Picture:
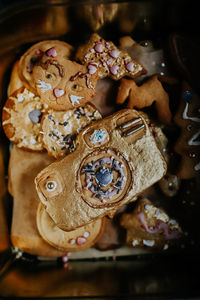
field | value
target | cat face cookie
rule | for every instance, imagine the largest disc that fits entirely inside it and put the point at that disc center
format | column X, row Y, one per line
column 61, row 83
column 21, row 117
column 60, row 128
column 106, row 170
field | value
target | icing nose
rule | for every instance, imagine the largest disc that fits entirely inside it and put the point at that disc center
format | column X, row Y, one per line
column 58, row 92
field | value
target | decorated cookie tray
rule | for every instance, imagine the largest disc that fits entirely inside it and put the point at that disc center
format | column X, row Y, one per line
column 99, row 149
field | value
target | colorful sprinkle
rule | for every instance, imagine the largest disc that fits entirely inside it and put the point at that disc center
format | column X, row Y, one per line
column 81, row 240
column 99, row 47
column 51, row 52
column 92, row 69
column 114, row 53
column 130, row 66
column 114, row 69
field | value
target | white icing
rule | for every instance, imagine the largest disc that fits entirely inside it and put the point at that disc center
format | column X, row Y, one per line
column 197, row 167
column 148, row 243
column 75, row 99
column 33, row 141
column 20, row 98
column 86, row 234
column 98, row 136
column 185, row 114
column 135, row 243
column 44, row 86
column 192, row 141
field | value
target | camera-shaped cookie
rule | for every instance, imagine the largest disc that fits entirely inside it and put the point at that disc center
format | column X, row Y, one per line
column 116, row 158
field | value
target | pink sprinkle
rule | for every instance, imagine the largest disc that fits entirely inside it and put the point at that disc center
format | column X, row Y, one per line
column 39, row 52
column 80, row 240
column 99, row 47
column 113, row 69
column 130, row 66
column 114, row 53
column 92, row 69
column 109, row 61
column 58, row 93
column 51, row 52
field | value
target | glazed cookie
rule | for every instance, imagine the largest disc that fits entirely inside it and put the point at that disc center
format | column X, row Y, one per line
column 144, row 95
column 21, row 119
column 188, row 144
column 59, row 128
column 116, row 158
column 75, row 240
column 149, row 226
column 61, row 83
column 105, row 57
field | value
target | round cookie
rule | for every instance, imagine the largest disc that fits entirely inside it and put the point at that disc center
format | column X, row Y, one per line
column 21, row 119
column 33, row 55
column 76, row 240
column 61, row 83
column 59, row 128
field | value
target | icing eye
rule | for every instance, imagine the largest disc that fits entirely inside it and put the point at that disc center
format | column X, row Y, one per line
column 75, row 86
column 48, row 76
column 51, row 186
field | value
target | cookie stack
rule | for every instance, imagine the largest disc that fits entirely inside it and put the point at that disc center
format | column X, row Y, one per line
column 69, row 166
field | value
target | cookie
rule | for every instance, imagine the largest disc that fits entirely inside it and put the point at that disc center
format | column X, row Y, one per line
column 115, row 159
column 71, row 241
column 187, row 146
column 149, row 226
column 24, row 166
column 15, row 82
column 105, row 57
column 144, row 96
column 62, row 84
column 170, row 184
column 21, row 119
column 34, row 54
column 59, row 128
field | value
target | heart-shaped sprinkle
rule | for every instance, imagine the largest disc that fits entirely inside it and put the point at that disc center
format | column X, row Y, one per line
column 35, row 115
column 114, row 53
column 92, row 69
column 58, row 93
column 51, row 52
column 39, row 52
column 113, row 69
column 99, row 47
column 80, row 240
column 130, row 66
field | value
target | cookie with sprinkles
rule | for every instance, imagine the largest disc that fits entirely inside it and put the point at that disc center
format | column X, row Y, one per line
column 59, row 128
column 76, row 240
column 98, row 54
column 150, row 226
column 116, row 158
column 21, row 118
column 187, row 145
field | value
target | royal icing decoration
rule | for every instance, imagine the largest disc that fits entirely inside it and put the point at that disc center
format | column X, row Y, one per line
column 44, row 86
column 98, row 136
column 75, row 99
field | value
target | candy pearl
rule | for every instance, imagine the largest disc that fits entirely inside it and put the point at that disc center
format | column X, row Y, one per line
column 113, row 53
column 114, row 69
column 188, row 96
column 92, row 69
column 80, row 240
column 51, row 52
column 58, row 93
column 99, row 47
column 130, row 66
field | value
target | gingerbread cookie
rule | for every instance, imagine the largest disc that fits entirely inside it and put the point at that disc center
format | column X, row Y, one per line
column 23, row 167
column 188, row 144
column 61, row 83
column 21, row 119
column 105, row 57
column 149, row 226
column 116, row 158
column 144, row 95
column 59, row 128
column 76, row 240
